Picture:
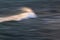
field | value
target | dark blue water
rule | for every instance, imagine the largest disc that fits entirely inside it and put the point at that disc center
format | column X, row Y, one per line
column 45, row 27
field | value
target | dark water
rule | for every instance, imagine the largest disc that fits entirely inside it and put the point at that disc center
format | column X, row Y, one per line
column 45, row 27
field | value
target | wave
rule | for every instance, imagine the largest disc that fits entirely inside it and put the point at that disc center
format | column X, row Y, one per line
column 26, row 13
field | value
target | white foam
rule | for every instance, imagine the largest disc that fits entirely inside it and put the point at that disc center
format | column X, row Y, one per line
column 26, row 14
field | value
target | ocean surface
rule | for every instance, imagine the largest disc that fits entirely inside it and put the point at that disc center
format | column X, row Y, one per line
column 45, row 27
